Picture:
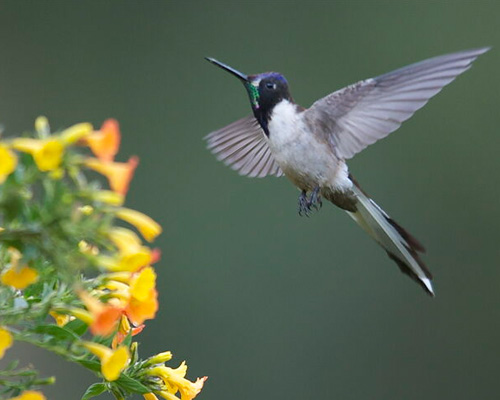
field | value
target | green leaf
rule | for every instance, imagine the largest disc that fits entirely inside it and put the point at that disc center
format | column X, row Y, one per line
column 94, row 390
column 131, row 384
column 90, row 364
column 57, row 332
column 77, row 326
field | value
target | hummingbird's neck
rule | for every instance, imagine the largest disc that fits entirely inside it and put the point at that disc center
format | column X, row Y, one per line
column 284, row 110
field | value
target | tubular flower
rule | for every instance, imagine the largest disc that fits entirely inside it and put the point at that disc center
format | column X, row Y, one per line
column 133, row 255
column 118, row 174
column 105, row 142
column 18, row 276
column 113, row 362
column 61, row 319
column 142, row 284
column 139, row 311
column 148, row 227
column 104, row 316
column 143, row 302
column 175, row 381
column 124, row 329
column 47, row 153
column 76, row 132
column 159, row 358
column 5, row 341
column 8, row 162
column 149, row 396
column 30, row 395
column 108, row 197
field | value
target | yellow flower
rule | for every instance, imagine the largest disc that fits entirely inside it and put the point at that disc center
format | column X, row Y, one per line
column 61, row 319
column 143, row 283
column 108, row 197
column 119, row 174
column 5, row 341
column 148, row 227
column 19, row 277
column 132, row 254
column 30, row 395
column 105, row 142
column 76, row 132
column 8, row 162
column 113, row 362
column 150, row 396
column 175, row 381
column 159, row 358
column 47, row 153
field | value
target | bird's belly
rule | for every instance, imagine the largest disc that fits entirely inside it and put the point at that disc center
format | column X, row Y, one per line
column 305, row 161
column 304, row 158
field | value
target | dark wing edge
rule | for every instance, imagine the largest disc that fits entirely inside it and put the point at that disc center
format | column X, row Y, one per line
column 360, row 114
column 243, row 147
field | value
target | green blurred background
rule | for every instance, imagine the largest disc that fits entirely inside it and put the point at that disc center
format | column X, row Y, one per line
column 267, row 304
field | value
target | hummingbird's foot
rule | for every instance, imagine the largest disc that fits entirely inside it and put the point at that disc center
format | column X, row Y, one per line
column 303, row 204
column 315, row 199
column 306, row 204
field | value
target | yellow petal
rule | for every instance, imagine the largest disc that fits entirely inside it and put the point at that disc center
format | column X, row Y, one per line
column 142, row 284
column 30, row 395
column 159, row 358
column 98, row 350
column 49, row 156
column 6, row 341
column 20, row 277
column 76, row 132
column 148, row 227
column 112, row 366
column 108, row 197
column 149, row 396
column 8, row 162
column 124, row 239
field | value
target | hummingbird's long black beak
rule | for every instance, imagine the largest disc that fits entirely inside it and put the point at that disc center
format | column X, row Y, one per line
column 232, row 71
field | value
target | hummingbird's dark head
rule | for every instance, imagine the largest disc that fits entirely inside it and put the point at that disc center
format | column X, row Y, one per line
column 264, row 90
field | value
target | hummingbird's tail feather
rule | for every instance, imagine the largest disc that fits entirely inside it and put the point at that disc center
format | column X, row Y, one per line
column 401, row 247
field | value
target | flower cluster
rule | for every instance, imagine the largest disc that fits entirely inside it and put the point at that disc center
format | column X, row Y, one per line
column 75, row 276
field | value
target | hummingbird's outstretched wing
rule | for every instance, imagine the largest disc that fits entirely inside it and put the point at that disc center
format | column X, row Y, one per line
column 360, row 114
column 243, row 146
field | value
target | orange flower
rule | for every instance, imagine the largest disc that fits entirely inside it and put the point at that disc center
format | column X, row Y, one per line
column 119, row 174
column 104, row 316
column 105, row 143
column 138, row 311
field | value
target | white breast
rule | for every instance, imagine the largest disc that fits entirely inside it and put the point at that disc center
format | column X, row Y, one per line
column 307, row 161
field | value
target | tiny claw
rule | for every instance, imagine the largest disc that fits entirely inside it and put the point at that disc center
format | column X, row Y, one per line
column 306, row 204
column 303, row 208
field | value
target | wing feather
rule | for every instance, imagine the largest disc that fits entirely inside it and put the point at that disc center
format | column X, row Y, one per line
column 360, row 114
column 243, row 146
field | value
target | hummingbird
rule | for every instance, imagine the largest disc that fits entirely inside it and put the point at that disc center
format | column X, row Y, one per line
column 310, row 146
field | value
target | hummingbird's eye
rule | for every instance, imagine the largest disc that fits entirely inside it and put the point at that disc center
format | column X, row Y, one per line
column 271, row 85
